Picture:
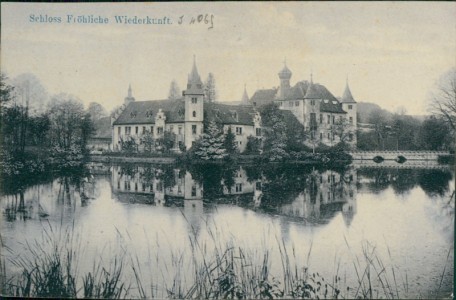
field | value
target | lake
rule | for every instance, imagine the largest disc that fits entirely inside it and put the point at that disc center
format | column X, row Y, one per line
column 394, row 226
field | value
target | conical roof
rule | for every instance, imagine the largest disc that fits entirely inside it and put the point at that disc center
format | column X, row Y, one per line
column 245, row 97
column 347, row 96
column 194, row 83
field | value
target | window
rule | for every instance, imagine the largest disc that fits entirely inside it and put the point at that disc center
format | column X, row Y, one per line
column 258, row 132
column 297, row 103
column 127, row 130
column 136, row 130
column 171, row 128
column 194, row 100
column 280, row 104
column 118, row 184
column 312, row 102
column 329, row 136
column 321, row 136
column 152, row 130
column 334, row 119
column 258, row 186
column 291, row 103
column 351, row 120
column 144, row 130
column 180, row 129
column 193, row 129
column 238, row 130
column 194, row 114
column 235, row 115
column 238, row 187
column 329, row 119
column 350, row 107
column 159, row 130
column 136, row 186
column 179, row 189
column 321, row 118
column 194, row 191
column 119, row 130
column 143, row 187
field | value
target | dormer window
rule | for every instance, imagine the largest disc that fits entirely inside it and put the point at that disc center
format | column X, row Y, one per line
column 149, row 113
column 133, row 114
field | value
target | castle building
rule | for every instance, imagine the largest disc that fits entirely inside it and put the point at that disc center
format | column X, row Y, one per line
column 185, row 117
column 326, row 118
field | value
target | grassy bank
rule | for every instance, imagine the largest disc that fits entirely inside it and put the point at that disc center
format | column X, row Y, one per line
column 51, row 268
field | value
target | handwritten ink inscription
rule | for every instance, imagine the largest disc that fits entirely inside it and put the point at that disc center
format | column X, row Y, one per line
column 206, row 19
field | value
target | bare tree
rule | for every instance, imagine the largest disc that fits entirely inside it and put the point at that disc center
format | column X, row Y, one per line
column 443, row 98
column 30, row 92
column 174, row 91
column 210, row 92
column 96, row 111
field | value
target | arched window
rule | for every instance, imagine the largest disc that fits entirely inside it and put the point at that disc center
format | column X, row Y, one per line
column 194, row 114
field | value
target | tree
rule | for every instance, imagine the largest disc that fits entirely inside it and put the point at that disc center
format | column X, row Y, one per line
column 341, row 129
column 168, row 140
column 210, row 145
column 434, row 134
column 30, row 92
column 96, row 111
column 275, row 141
column 147, row 140
column 443, row 98
column 174, row 91
column 230, row 142
column 6, row 91
column 253, row 145
column 210, row 91
column 70, row 126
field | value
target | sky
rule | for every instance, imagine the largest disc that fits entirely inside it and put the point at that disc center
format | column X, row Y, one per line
column 391, row 52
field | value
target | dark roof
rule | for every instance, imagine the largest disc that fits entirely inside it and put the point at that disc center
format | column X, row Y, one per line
column 331, row 107
column 102, row 128
column 348, row 97
column 140, row 112
column 229, row 114
column 137, row 112
column 294, row 93
column 263, row 97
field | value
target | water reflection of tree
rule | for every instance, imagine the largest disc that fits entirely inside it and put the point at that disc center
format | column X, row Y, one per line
column 283, row 183
column 435, row 182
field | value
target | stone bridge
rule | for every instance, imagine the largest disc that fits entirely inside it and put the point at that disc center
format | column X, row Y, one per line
column 397, row 155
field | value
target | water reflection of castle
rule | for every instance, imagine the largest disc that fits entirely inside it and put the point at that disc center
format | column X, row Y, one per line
column 326, row 194
column 320, row 199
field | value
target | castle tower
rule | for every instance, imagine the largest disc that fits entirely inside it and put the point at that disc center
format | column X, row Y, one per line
column 194, row 106
column 349, row 105
column 284, row 75
column 130, row 97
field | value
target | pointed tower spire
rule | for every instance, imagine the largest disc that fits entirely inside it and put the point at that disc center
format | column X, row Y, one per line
column 245, row 96
column 311, row 76
column 347, row 96
column 194, row 83
column 129, row 97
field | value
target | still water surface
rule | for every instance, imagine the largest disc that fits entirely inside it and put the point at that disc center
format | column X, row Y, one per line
column 404, row 216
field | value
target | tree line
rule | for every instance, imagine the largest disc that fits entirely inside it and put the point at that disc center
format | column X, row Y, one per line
column 35, row 126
